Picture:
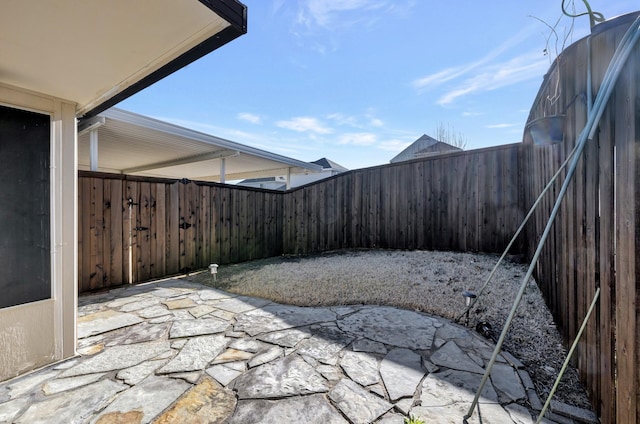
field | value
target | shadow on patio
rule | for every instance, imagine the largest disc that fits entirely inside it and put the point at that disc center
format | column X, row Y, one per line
column 175, row 351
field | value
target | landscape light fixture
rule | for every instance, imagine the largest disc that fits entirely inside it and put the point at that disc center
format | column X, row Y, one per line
column 213, row 268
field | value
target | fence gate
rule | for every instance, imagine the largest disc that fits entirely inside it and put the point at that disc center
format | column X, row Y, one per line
column 156, row 230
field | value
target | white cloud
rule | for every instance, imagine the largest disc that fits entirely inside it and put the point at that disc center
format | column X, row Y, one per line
column 356, row 121
column 491, row 77
column 487, row 73
column 325, row 13
column 438, row 78
column 358, row 139
column 393, row 145
column 249, row 117
column 304, row 124
column 342, row 119
column 451, row 73
column 318, row 25
column 493, row 126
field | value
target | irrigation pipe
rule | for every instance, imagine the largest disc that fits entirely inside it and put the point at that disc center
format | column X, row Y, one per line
column 566, row 361
column 517, row 233
column 531, row 210
column 618, row 60
column 540, row 196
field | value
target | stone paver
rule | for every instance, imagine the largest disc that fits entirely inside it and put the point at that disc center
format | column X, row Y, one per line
column 288, row 376
column 197, row 327
column 502, row 377
column 206, row 402
column 308, row 409
column 153, row 395
column 285, row 338
column 401, row 372
column 175, row 351
column 137, row 373
column 143, row 332
column 360, row 367
column 118, row 357
column 179, row 304
column 365, row 345
column 451, row 356
column 279, row 317
column 392, row 326
column 223, row 373
column 325, row 344
column 104, row 321
column 196, row 354
column 269, row 355
column 241, row 304
column 10, row 409
column 69, row 383
column 75, row 406
column 357, row 404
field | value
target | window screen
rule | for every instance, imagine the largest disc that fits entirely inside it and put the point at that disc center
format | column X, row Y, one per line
column 25, row 271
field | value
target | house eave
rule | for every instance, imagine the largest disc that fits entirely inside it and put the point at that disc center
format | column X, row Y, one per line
column 233, row 12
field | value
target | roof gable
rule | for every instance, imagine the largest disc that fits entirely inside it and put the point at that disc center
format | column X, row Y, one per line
column 423, row 146
column 329, row 164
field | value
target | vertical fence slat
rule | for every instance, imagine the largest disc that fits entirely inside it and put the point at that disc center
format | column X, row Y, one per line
column 627, row 198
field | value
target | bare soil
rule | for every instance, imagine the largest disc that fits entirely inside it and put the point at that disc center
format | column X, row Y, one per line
column 430, row 282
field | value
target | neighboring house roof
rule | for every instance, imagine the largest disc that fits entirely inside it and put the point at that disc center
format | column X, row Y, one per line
column 329, row 164
column 96, row 54
column 422, row 147
column 130, row 143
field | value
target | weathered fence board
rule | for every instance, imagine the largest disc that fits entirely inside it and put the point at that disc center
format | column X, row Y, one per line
column 593, row 243
column 165, row 227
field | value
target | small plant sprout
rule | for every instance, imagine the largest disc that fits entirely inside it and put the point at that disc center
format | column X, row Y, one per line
column 413, row 420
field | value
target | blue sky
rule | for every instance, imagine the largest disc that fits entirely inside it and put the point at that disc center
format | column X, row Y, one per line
column 356, row 81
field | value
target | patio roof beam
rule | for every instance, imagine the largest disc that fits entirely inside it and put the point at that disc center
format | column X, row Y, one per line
column 219, row 154
column 242, row 175
column 91, row 124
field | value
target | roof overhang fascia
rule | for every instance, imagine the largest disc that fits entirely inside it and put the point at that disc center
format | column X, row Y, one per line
column 234, row 12
column 233, row 176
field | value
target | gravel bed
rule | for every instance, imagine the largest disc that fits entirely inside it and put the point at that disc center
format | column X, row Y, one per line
column 430, row 282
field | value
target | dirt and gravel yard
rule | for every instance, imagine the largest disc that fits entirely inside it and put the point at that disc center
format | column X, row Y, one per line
column 430, row 282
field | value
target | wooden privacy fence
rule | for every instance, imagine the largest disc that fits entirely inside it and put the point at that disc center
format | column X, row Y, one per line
column 467, row 201
column 134, row 229
column 593, row 241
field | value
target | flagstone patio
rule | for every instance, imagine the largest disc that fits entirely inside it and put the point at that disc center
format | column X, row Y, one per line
column 177, row 352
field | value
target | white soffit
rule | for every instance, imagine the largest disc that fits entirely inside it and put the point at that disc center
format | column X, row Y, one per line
column 134, row 144
column 90, row 51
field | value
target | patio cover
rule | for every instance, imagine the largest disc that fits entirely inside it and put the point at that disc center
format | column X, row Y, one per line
column 123, row 142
